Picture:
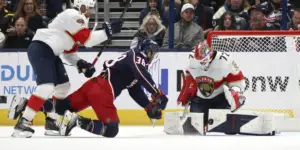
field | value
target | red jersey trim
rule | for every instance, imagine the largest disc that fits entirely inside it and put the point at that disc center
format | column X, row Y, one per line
column 234, row 77
column 73, row 50
column 80, row 36
column 217, row 84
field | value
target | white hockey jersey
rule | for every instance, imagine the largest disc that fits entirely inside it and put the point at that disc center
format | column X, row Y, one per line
column 222, row 70
column 67, row 31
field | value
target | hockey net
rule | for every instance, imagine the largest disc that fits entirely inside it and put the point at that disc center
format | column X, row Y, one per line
column 270, row 63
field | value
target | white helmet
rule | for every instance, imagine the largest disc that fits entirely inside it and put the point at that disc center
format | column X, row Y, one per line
column 87, row 3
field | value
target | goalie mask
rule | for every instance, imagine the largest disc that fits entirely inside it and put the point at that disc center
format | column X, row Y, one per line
column 204, row 54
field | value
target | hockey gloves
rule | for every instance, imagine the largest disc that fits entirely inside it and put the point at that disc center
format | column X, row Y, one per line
column 153, row 110
column 160, row 98
column 112, row 27
column 235, row 97
column 189, row 89
column 158, row 103
column 87, row 68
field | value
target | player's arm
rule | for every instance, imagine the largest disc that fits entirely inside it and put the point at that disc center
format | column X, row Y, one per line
column 236, row 84
column 235, row 77
column 83, row 66
column 188, row 90
column 78, row 29
column 138, row 95
column 189, row 87
column 138, row 67
column 151, row 107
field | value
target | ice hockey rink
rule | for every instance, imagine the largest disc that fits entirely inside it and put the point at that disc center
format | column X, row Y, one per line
column 147, row 138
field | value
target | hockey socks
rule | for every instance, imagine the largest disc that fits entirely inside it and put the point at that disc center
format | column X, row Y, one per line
column 33, row 106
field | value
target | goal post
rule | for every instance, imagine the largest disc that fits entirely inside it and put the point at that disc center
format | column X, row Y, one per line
column 271, row 64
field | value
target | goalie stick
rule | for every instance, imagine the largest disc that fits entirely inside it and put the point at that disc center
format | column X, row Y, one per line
column 106, row 42
column 185, row 112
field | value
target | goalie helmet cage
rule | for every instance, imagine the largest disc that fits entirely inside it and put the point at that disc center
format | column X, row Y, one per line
column 261, row 55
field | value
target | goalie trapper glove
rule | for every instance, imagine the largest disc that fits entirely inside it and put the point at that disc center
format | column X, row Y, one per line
column 112, row 27
column 87, row 68
column 235, row 97
column 153, row 110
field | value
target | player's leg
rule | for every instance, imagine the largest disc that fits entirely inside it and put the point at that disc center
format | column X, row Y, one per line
column 101, row 101
column 220, row 102
column 105, row 111
column 60, row 93
column 42, row 60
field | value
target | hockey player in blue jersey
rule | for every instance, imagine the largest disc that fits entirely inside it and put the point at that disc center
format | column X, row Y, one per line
column 129, row 72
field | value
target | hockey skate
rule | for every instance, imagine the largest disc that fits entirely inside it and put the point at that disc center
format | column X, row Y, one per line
column 17, row 106
column 69, row 121
column 51, row 127
column 22, row 129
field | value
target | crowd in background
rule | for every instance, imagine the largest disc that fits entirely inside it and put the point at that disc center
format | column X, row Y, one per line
column 19, row 19
column 195, row 18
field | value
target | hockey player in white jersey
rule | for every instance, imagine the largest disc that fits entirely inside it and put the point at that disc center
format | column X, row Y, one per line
column 212, row 80
column 62, row 37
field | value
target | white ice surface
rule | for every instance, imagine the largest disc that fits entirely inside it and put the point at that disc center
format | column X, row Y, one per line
column 146, row 138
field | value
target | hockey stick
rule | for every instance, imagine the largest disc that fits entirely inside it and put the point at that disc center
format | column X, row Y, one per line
column 96, row 16
column 106, row 42
column 185, row 110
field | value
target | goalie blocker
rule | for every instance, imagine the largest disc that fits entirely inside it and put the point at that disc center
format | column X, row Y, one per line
column 221, row 120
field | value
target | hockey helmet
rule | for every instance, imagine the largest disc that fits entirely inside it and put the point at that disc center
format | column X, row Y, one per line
column 204, row 54
column 86, row 3
column 149, row 48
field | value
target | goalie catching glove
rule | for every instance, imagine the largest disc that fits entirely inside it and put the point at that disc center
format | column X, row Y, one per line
column 234, row 97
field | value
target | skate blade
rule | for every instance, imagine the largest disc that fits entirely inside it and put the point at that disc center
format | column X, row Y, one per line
column 51, row 133
column 21, row 134
column 13, row 107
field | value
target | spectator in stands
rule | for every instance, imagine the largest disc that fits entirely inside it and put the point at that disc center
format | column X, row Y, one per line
column 11, row 5
column 5, row 17
column 256, row 2
column 295, row 25
column 153, row 7
column 3, row 10
column 258, row 20
column 227, row 22
column 295, row 3
column 51, row 8
column 22, row 36
column 273, row 12
column 28, row 9
column 203, row 16
column 151, row 28
column 177, row 8
column 187, row 33
column 239, row 8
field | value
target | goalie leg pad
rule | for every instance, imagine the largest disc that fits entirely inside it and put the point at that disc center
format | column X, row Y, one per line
column 243, row 122
column 174, row 124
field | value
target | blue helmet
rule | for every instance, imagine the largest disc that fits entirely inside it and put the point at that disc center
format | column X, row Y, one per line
column 149, row 45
